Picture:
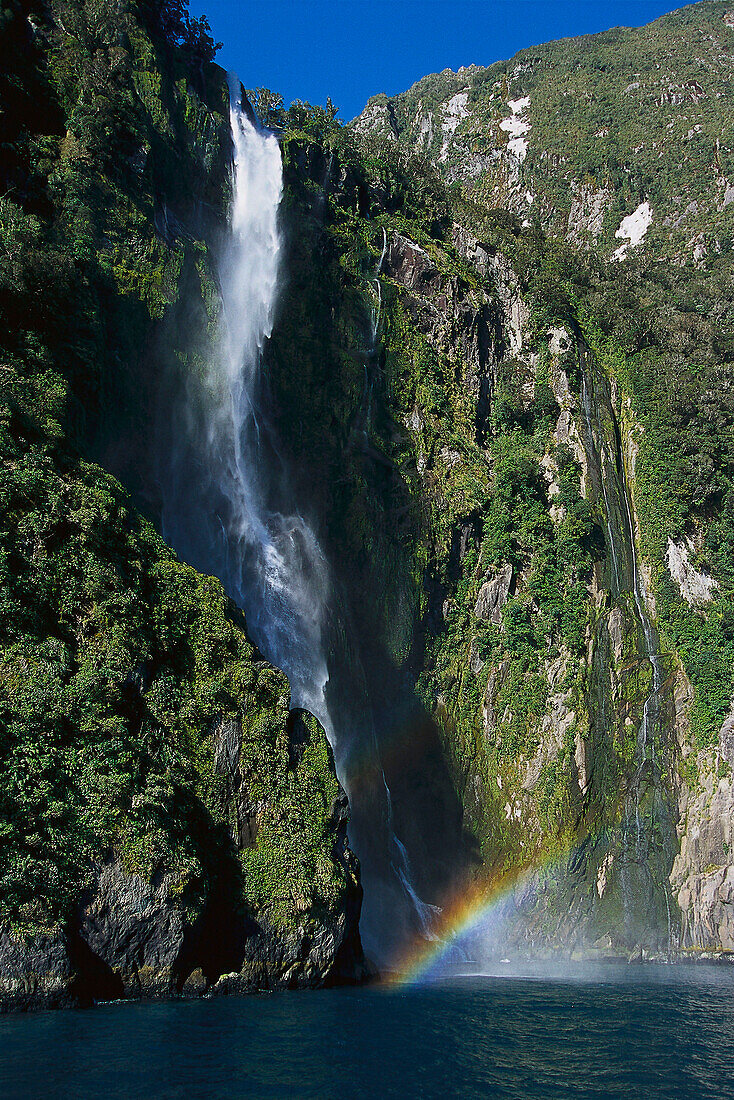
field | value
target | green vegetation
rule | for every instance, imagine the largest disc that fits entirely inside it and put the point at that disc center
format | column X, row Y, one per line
column 442, row 454
column 684, row 475
column 118, row 662
column 119, row 665
column 639, row 114
column 478, row 489
column 417, row 493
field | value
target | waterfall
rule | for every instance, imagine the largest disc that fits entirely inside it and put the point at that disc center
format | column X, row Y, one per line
column 612, row 473
column 269, row 561
column 650, row 712
column 587, row 406
column 320, row 204
column 228, row 508
column 606, row 457
column 376, row 311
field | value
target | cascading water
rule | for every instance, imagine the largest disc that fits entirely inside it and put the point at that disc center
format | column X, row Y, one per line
column 270, row 563
column 320, row 206
column 223, row 515
column 589, row 416
column 371, row 354
column 605, row 452
column 377, row 307
column 623, row 551
column 651, row 707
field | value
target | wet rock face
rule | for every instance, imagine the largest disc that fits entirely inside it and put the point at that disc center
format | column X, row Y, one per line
column 580, row 733
column 35, row 973
column 135, row 929
column 134, row 937
column 702, row 875
column 702, row 878
column 126, row 943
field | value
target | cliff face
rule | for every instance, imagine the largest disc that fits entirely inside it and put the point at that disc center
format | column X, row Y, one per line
column 167, row 824
column 517, row 451
column 532, row 443
column 617, row 141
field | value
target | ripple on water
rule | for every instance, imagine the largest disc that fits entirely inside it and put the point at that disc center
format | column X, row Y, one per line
column 653, row 1032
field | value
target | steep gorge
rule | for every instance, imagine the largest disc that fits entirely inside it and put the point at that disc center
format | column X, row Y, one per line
column 437, row 456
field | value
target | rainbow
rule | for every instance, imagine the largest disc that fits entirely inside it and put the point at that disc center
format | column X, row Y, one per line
column 469, row 914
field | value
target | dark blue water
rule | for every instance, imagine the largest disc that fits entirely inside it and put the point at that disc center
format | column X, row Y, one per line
column 627, row 1032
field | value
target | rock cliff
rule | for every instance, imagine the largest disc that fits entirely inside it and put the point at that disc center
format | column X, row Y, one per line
column 501, row 371
column 167, row 824
column 512, row 457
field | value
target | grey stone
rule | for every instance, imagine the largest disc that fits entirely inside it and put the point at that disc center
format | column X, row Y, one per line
column 493, row 596
column 35, row 972
column 135, row 929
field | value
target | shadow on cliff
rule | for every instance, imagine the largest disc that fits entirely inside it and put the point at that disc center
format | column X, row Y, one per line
column 324, row 392
column 406, row 821
column 321, row 373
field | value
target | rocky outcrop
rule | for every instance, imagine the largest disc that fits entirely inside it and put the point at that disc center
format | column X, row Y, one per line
column 136, row 929
column 590, row 726
column 586, row 217
column 482, row 131
column 410, row 265
column 493, row 596
column 696, row 587
column 462, row 324
column 138, row 937
column 314, row 937
column 513, row 313
column 702, row 877
column 36, row 972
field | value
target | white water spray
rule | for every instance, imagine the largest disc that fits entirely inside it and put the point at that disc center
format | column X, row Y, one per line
column 270, row 563
column 218, row 509
column 280, row 575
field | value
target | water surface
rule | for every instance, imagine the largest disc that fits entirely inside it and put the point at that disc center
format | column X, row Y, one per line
column 610, row 1032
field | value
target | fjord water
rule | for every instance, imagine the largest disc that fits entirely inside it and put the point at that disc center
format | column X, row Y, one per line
column 618, row 1031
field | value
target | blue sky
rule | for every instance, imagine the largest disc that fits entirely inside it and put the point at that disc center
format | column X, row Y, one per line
column 352, row 49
